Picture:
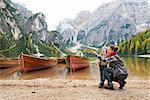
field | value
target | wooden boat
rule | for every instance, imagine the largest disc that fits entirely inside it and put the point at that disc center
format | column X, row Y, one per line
column 31, row 63
column 61, row 60
column 8, row 63
column 77, row 62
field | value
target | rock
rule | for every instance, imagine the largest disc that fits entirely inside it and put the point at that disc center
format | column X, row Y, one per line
column 74, row 86
column 37, row 26
column 2, row 4
column 9, row 19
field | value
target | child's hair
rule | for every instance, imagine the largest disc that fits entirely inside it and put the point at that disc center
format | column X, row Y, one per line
column 114, row 48
column 104, row 48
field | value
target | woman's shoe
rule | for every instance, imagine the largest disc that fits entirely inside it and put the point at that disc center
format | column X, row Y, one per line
column 122, row 83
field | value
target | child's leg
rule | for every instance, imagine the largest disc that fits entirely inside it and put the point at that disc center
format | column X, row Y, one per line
column 102, row 73
column 108, row 74
column 102, row 78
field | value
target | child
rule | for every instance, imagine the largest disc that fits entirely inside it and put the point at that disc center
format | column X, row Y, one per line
column 103, row 64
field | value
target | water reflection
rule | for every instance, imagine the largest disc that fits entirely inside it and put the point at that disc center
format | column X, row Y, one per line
column 136, row 67
column 60, row 71
column 8, row 71
column 87, row 73
column 49, row 72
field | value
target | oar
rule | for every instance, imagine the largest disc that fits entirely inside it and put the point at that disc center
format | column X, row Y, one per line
column 9, row 71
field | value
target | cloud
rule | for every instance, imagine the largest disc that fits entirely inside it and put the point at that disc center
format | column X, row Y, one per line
column 57, row 10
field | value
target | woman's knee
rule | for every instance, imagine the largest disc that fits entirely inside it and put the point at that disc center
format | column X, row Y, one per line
column 123, row 77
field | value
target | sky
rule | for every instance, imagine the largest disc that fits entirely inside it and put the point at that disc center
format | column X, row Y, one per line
column 57, row 10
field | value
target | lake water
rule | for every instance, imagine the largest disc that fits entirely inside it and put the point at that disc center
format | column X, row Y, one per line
column 139, row 67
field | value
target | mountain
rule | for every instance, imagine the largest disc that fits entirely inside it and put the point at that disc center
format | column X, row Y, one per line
column 23, row 31
column 115, row 21
column 25, row 14
column 10, row 19
column 37, row 26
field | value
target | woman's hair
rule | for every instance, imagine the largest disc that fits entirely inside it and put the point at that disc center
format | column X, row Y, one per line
column 114, row 48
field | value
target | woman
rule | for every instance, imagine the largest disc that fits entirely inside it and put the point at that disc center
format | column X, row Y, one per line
column 116, row 70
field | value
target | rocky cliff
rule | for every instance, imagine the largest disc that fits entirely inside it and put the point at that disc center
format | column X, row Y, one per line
column 9, row 19
column 115, row 21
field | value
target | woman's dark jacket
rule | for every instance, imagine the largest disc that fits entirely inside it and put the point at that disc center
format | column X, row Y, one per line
column 116, row 63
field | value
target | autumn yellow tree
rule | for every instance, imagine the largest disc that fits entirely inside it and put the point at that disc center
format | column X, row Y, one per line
column 143, row 46
column 137, row 46
column 132, row 47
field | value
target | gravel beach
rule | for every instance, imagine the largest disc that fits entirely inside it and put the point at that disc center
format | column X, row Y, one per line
column 72, row 89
